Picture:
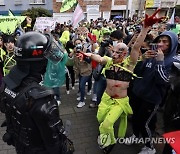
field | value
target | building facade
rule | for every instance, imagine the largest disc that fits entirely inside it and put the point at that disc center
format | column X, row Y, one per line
column 18, row 6
column 165, row 5
column 125, row 8
column 98, row 8
column 92, row 8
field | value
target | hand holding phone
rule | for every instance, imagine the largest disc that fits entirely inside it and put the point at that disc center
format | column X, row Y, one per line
column 149, row 54
column 160, row 55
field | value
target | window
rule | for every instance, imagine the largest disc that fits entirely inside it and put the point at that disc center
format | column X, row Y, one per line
column 37, row 1
column 1, row 2
column 18, row 2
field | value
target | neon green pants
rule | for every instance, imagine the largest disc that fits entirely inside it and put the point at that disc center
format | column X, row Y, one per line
column 109, row 111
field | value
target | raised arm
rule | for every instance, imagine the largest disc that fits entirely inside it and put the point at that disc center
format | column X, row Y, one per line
column 94, row 57
column 148, row 22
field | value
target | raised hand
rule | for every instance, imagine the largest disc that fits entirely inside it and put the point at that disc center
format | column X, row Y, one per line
column 82, row 55
column 150, row 20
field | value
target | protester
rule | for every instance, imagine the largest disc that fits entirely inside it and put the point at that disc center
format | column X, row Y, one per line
column 2, row 54
column 154, row 71
column 28, row 24
column 65, row 36
column 70, row 75
column 105, row 49
column 83, row 70
column 9, row 60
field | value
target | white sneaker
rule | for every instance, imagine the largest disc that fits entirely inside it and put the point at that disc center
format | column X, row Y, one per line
column 89, row 93
column 68, row 92
column 130, row 140
column 73, row 88
column 147, row 150
column 79, row 98
column 59, row 102
column 80, row 104
column 94, row 98
column 143, row 148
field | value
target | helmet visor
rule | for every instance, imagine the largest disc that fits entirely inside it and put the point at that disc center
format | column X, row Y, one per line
column 56, row 53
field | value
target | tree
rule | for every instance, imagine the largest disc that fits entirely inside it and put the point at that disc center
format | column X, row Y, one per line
column 36, row 12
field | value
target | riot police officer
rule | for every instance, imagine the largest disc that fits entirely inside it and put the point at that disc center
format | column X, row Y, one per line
column 33, row 123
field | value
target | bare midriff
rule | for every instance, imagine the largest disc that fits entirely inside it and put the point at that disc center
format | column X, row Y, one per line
column 116, row 89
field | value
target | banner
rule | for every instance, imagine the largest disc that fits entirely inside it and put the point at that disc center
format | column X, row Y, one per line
column 62, row 17
column 77, row 16
column 153, row 3
column 8, row 24
column 44, row 23
column 149, row 3
column 67, row 4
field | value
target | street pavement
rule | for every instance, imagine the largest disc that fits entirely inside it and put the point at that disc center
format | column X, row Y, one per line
column 84, row 128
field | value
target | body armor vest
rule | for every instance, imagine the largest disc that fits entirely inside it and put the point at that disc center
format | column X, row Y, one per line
column 21, row 129
column 33, row 123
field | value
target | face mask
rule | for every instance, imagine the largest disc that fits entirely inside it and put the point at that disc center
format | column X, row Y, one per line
column 79, row 47
column 131, row 33
column 115, row 43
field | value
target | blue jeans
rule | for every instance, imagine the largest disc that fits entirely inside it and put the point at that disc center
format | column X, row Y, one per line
column 89, row 83
column 82, row 85
column 101, row 86
column 95, row 87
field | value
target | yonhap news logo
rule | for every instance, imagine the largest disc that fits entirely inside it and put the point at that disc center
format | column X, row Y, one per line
column 158, row 140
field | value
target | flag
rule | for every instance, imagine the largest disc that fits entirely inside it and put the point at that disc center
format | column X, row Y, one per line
column 77, row 16
column 171, row 21
column 149, row 3
column 10, row 13
column 174, row 140
column 67, row 4
column 152, row 3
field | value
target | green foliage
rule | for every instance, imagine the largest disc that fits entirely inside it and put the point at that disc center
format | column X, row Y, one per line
column 177, row 10
column 36, row 12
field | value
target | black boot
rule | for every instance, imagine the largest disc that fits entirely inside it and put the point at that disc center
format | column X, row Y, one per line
column 108, row 149
column 4, row 123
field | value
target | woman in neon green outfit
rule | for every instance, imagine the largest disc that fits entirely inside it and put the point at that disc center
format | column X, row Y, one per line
column 118, row 71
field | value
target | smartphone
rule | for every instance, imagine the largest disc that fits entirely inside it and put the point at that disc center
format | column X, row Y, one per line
column 154, row 46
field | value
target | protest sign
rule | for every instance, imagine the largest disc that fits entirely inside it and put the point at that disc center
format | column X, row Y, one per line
column 43, row 23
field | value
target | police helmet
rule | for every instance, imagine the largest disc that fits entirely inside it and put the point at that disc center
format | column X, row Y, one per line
column 35, row 46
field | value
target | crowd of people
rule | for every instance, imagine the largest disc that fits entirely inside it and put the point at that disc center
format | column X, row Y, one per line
column 127, row 66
